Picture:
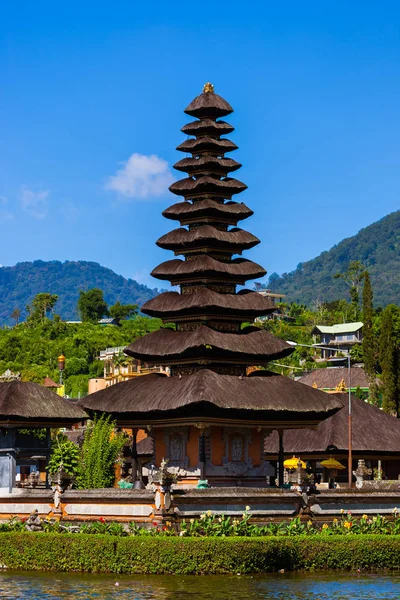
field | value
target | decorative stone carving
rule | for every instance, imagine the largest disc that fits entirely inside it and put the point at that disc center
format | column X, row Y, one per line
column 237, row 448
column 10, row 376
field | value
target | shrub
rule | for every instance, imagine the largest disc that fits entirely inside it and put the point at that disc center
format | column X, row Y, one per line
column 175, row 555
column 100, row 450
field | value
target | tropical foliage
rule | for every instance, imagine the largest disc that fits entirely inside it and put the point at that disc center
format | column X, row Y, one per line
column 100, row 449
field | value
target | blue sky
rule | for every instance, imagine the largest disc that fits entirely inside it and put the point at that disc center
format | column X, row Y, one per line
column 91, row 103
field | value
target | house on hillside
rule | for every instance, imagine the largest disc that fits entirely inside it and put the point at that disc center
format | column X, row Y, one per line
column 120, row 367
column 342, row 336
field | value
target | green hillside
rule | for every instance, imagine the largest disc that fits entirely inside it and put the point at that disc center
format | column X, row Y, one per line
column 19, row 285
column 376, row 246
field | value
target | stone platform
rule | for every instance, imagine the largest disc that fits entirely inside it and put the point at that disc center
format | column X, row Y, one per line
column 146, row 506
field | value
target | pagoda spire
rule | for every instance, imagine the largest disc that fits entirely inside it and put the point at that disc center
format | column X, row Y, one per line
column 207, row 312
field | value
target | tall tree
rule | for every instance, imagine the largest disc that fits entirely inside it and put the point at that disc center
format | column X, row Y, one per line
column 353, row 276
column 92, row 306
column 368, row 343
column 119, row 311
column 40, row 308
column 389, row 361
column 16, row 313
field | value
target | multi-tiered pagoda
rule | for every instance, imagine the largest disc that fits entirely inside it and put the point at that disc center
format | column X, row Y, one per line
column 210, row 417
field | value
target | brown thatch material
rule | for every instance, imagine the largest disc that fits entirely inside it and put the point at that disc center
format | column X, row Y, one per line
column 170, row 305
column 209, row 105
column 206, row 235
column 207, row 127
column 49, row 383
column 212, row 164
column 260, row 345
column 373, row 431
column 207, row 144
column 331, row 377
column 205, row 184
column 237, row 270
column 32, row 403
column 270, row 396
column 232, row 211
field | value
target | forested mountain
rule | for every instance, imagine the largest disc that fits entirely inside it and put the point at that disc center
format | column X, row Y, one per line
column 376, row 246
column 19, row 285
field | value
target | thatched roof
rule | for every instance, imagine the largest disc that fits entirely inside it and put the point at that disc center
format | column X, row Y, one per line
column 256, row 346
column 206, row 163
column 208, row 105
column 207, row 144
column 238, row 270
column 31, row 403
column 169, row 305
column 49, row 383
column 373, row 431
column 270, row 397
column 205, row 184
column 229, row 211
column 331, row 377
column 207, row 127
column 206, row 235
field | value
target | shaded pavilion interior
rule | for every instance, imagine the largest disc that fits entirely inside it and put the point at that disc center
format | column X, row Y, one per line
column 375, row 436
column 211, row 416
column 26, row 408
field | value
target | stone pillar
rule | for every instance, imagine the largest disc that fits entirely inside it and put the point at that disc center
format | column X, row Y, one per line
column 281, row 458
column 7, row 458
column 134, row 457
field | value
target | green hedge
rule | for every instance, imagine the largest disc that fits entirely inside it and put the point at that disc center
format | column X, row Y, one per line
column 108, row 554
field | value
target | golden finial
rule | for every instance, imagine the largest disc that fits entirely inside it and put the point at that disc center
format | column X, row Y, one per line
column 314, row 385
column 208, row 88
column 341, row 386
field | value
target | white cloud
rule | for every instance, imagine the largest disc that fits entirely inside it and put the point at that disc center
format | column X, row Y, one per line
column 34, row 201
column 141, row 177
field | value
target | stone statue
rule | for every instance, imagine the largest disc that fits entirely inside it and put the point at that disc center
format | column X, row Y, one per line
column 34, row 522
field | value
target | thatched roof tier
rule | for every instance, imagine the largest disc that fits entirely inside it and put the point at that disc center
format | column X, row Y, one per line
column 208, row 396
column 206, row 236
column 229, row 212
column 207, row 164
column 372, row 431
column 243, row 307
column 238, row 270
column 208, row 105
column 204, row 343
column 31, row 404
column 49, row 383
column 331, row 377
column 207, row 127
column 205, row 184
column 207, row 144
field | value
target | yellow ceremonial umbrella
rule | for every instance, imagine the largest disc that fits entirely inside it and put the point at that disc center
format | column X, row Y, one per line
column 332, row 464
column 293, row 463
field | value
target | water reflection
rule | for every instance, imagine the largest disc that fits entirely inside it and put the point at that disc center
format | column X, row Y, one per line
column 22, row 586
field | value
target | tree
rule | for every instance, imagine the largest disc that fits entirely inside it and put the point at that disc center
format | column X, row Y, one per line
column 100, row 450
column 119, row 311
column 389, row 361
column 92, row 306
column 64, row 455
column 368, row 343
column 41, row 306
column 16, row 313
column 353, row 276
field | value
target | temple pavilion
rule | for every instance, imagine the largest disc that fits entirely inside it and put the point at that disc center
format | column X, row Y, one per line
column 211, row 416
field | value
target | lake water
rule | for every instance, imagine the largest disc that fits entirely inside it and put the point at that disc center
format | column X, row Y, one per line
column 21, row 586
